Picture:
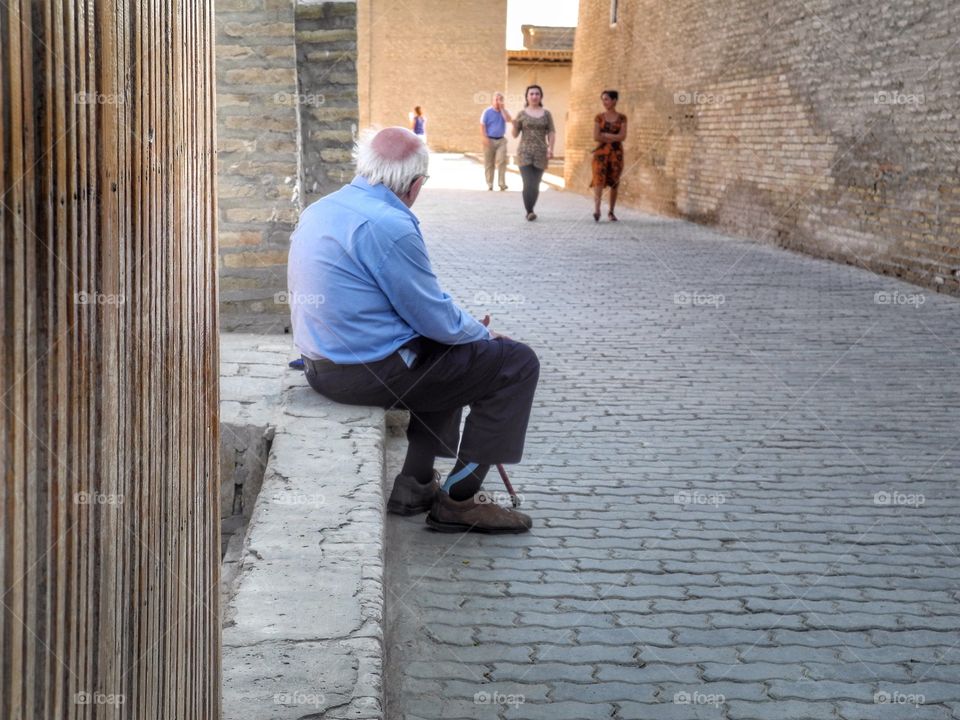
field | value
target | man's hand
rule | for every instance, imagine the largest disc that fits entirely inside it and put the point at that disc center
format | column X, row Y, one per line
column 493, row 333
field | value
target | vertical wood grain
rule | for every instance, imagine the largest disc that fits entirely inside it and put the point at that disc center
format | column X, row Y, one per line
column 109, row 510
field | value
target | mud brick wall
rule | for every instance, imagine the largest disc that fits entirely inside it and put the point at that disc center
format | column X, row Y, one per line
column 258, row 170
column 447, row 57
column 831, row 127
column 327, row 76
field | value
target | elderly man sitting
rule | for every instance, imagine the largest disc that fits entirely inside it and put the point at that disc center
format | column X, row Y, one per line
column 375, row 328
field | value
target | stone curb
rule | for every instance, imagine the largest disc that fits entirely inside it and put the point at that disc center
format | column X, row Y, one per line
column 303, row 633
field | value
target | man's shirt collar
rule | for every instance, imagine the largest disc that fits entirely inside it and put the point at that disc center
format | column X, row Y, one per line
column 383, row 193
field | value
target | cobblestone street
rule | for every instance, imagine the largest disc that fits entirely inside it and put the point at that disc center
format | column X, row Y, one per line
column 742, row 467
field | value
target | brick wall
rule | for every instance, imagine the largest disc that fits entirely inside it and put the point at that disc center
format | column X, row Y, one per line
column 826, row 127
column 447, row 57
column 327, row 72
column 258, row 159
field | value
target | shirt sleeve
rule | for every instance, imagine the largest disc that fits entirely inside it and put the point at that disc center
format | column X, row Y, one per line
column 550, row 128
column 407, row 279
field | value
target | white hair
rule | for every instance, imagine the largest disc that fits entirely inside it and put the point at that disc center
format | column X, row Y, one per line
column 397, row 175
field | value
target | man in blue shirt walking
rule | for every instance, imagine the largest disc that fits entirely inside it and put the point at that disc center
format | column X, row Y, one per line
column 374, row 327
column 493, row 127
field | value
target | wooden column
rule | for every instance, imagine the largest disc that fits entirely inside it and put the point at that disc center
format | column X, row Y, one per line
column 109, row 510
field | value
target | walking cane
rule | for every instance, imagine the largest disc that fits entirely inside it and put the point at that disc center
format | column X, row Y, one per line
column 514, row 500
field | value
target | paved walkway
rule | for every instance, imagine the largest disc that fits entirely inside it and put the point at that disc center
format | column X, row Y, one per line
column 743, row 470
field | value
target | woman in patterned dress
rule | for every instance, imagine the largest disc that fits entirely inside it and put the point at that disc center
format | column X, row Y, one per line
column 610, row 130
column 536, row 145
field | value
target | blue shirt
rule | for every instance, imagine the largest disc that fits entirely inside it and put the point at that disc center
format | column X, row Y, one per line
column 360, row 281
column 494, row 124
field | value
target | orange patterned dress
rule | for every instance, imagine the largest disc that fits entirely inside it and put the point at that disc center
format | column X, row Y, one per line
column 608, row 157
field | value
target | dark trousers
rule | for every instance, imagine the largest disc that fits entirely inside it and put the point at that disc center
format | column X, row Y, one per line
column 531, row 176
column 495, row 378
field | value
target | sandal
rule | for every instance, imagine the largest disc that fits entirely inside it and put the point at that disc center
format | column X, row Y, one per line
column 611, row 217
column 596, row 217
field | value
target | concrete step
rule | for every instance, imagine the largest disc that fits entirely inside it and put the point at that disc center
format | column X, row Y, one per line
column 303, row 632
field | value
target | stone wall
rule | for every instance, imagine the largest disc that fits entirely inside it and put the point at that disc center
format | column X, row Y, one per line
column 327, row 75
column 830, row 127
column 258, row 135
column 447, row 57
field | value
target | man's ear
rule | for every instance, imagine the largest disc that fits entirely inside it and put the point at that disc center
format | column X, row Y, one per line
column 411, row 195
column 416, row 185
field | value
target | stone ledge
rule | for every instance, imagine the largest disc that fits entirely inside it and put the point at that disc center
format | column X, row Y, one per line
column 303, row 633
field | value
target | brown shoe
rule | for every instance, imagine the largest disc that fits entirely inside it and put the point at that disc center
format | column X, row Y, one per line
column 478, row 514
column 409, row 496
